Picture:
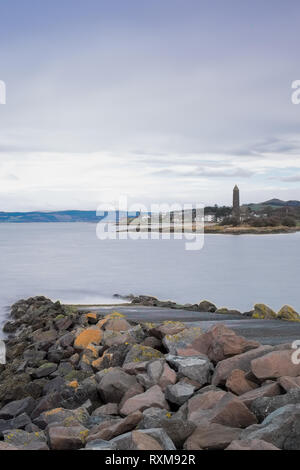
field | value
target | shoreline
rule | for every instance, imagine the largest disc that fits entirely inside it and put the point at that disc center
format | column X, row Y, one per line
column 96, row 381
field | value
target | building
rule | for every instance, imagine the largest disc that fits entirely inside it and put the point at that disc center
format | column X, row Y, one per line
column 236, row 211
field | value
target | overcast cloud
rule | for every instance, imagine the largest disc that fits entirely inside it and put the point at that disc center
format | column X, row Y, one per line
column 161, row 100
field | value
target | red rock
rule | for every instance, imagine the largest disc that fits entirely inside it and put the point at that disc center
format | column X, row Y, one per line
column 251, row 444
column 211, row 437
column 6, row 446
column 167, row 328
column 136, row 389
column 238, row 384
column 287, row 383
column 275, row 364
column 203, row 402
column 153, row 397
column 67, row 438
column 268, row 390
column 241, row 361
column 220, row 342
column 142, row 441
column 231, row 411
column 110, row 429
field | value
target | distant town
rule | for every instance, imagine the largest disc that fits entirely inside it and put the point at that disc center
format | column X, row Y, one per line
column 272, row 213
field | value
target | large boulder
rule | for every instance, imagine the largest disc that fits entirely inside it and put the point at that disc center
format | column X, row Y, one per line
column 268, row 390
column 179, row 393
column 148, row 439
column 241, row 361
column 88, row 336
column 167, row 328
column 25, row 440
column 67, row 438
column 199, row 406
column 288, row 313
column 110, row 429
column 174, row 424
column 139, row 353
column 288, row 383
column 238, row 383
column 275, row 364
column 251, row 444
column 220, row 342
column 114, row 384
column 160, row 373
column 198, row 368
column 264, row 406
column 212, row 437
column 281, row 428
column 154, row 397
column 15, row 408
column 181, row 341
column 262, row 311
column 206, row 306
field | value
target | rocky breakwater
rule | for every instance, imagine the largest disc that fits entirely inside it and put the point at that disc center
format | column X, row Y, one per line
column 76, row 380
column 259, row 311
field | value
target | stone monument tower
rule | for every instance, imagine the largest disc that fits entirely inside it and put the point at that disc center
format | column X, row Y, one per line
column 236, row 204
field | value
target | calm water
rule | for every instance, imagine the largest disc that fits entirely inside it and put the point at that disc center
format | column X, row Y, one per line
column 68, row 262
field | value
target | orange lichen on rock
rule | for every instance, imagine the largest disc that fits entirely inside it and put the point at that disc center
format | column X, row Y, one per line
column 73, row 384
column 88, row 336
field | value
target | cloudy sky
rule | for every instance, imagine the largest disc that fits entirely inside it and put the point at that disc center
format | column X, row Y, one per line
column 159, row 100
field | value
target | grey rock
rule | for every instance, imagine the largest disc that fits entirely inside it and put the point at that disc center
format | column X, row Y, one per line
column 198, row 368
column 99, row 444
column 15, row 408
column 179, row 393
column 264, row 406
column 281, row 428
column 124, row 441
column 176, row 427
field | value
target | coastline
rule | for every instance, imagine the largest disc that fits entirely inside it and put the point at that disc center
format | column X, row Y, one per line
column 96, row 381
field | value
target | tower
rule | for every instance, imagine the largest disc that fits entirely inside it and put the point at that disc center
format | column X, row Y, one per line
column 236, row 204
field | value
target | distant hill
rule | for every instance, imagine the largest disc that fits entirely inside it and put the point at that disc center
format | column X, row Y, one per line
column 274, row 203
column 56, row 216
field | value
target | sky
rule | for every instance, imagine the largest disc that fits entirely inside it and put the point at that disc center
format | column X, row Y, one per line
column 158, row 100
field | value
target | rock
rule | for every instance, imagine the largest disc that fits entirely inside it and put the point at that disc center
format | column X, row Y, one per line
column 14, row 387
column 26, row 441
column 281, row 428
column 117, row 324
column 89, row 336
column 167, row 328
column 44, row 370
column 134, row 368
column 114, row 384
column 108, row 409
column 221, row 408
column 197, row 368
column 176, row 427
column 63, row 417
column 262, row 311
column 227, row 311
column 161, row 374
column 109, row 430
column 179, row 393
column 153, row 397
column 139, row 353
column 67, row 438
column 136, row 389
column 230, row 411
column 287, row 383
column 152, row 342
column 275, row 364
column 248, row 444
column 212, row 437
column 6, row 446
column 99, row 444
column 16, row 408
column 263, row 406
column 288, row 313
column 138, row 440
column 92, row 317
column 220, row 342
column 175, row 343
column 238, row 384
column 198, row 405
column 49, row 402
column 241, row 361
column 206, row 306
column 268, row 390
